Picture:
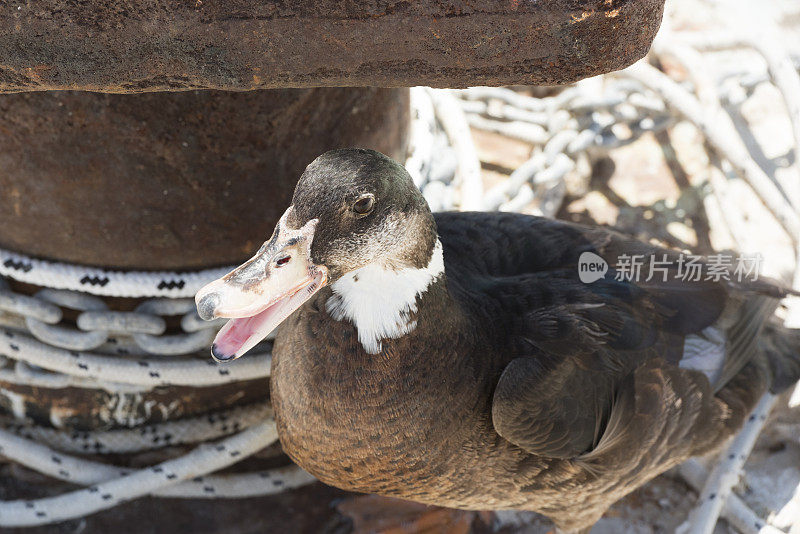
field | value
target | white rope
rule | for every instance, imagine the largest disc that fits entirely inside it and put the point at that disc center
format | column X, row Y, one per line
column 152, row 371
column 182, row 431
column 203, row 459
column 726, row 472
column 46, row 379
column 105, row 282
column 721, row 134
column 734, row 510
column 455, row 125
column 84, row 472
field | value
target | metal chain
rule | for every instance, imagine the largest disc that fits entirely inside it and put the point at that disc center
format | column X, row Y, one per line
column 141, row 331
column 583, row 119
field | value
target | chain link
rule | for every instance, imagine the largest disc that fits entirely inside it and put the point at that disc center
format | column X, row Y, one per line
column 562, row 129
column 141, row 331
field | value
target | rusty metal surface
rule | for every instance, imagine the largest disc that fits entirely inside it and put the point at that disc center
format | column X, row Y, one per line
column 95, row 409
column 151, row 45
column 171, row 180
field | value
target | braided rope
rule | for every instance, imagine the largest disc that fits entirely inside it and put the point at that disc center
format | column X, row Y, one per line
column 127, row 440
column 84, row 472
column 203, row 459
column 145, row 371
column 105, row 282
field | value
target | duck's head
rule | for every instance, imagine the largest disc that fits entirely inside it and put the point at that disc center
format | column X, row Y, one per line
column 351, row 208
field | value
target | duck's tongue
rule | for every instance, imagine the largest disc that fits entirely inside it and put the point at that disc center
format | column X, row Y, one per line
column 261, row 293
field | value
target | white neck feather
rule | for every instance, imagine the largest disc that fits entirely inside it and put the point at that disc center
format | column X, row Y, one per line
column 379, row 301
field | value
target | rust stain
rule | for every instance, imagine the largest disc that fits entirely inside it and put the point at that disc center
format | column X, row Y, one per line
column 15, row 199
column 583, row 16
column 35, row 72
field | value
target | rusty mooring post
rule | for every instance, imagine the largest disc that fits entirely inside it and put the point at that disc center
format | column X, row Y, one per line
column 180, row 180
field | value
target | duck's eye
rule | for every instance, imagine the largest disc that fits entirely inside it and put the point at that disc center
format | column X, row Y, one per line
column 364, row 205
column 280, row 262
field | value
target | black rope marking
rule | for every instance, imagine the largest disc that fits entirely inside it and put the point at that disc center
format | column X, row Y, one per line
column 18, row 265
column 95, row 280
column 171, row 284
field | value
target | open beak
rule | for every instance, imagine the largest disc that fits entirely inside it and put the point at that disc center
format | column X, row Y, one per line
column 261, row 293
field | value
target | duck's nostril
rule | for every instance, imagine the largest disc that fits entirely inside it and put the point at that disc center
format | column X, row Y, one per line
column 207, row 306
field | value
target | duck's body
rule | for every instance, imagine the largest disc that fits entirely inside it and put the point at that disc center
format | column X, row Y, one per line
column 505, row 381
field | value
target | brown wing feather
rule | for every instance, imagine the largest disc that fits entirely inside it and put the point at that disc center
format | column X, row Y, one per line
column 573, row 344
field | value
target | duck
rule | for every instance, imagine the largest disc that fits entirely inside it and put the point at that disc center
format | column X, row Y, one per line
column 461, row 359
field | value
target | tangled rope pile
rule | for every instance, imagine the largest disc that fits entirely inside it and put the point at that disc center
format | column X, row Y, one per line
column 133, row 352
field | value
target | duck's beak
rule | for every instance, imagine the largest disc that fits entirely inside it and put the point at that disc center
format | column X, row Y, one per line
column 261, row 293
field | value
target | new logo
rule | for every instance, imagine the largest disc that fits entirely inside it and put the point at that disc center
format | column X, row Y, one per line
column 591, row 267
